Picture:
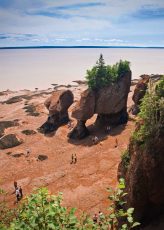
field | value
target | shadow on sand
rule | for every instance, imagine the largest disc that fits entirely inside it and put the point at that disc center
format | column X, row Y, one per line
column 99, row 132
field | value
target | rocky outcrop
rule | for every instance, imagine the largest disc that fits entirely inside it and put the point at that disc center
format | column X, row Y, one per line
column 140, row 90
column 9, row 141
column 144, row 179
column 110, row 103
column 142, row 164
column 139, row 93
column 57, row 106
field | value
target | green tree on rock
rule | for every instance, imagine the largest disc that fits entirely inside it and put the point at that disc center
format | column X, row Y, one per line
column 102, row 75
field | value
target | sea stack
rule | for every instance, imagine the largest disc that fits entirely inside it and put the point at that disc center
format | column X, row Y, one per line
column 109, row 103
column 57, row 105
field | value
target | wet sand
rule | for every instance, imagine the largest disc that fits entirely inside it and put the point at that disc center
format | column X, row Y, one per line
column 83, row 184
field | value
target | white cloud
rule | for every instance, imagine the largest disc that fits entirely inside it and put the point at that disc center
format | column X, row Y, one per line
column 110, row 23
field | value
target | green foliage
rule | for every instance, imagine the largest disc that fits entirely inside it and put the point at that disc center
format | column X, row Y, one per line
column 125, row 158
column 6, row 214
column 120, row 217
column 151, row 113
column 103, row 75
column 42, row 211
column 160, row 87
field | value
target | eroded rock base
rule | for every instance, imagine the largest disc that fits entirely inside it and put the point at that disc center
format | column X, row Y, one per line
column 112, row 119
column 79, row 132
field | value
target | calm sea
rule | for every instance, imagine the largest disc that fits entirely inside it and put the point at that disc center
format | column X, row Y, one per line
column 30, row 68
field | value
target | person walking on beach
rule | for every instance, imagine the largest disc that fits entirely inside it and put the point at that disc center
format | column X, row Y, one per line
column 17, row 193
column 27, row 153
column 15, row 185
column 95, row 140
column 101, row 217
column 116, row 143
column 95, row 218
column 75, row 159
column 108, row 128
column 21, row 192
column 72, row 159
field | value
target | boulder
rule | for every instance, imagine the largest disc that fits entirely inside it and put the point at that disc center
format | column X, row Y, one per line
column 42, row 157
column 85, row 108
column 9, row 141
column 57, row 106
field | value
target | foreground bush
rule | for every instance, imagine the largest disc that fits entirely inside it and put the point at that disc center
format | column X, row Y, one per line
column 103, row 75
column 42, row 211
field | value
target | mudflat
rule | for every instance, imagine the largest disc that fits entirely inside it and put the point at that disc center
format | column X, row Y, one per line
column 44, row 160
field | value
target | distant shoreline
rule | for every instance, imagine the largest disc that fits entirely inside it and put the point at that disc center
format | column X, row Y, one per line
column 81, row 47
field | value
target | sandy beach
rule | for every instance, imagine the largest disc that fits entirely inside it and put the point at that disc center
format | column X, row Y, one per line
column 83, row 184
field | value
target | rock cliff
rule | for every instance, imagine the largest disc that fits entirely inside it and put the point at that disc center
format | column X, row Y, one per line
column 142, row 166
column 140, row 91
column 110, row 103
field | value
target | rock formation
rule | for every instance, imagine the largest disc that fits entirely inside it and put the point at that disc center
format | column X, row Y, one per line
column 110, row 103
column 9, row 141
column 139, row 93
column 143, row 166
column 57, row 106
column 144, row 179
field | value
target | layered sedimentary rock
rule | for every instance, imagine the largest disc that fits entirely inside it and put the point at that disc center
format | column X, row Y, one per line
column 57, row 106
column 139, row 93
column 85, row 108
column 143, row 164
column 144, row 179
column 110, row 103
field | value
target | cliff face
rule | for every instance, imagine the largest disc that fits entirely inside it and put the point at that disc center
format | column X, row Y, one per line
column 140, row 91
column 144, row 178
column 143, row 170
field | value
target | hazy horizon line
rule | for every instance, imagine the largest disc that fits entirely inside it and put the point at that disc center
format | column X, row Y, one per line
column 44, row 47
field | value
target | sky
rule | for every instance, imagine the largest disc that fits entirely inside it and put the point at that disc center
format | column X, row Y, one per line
column 81, row 23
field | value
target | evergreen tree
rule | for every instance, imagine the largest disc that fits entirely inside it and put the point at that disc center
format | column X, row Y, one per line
column 103, row 75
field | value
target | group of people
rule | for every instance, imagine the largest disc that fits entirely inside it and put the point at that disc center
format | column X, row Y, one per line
column 95, row 140
column 73, row 159
column 18, row 192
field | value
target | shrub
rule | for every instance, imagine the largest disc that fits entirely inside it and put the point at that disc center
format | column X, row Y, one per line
column 151, row 113
column 125, row 158
column 43, row 211
column 103, row 75
column 120, row 217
